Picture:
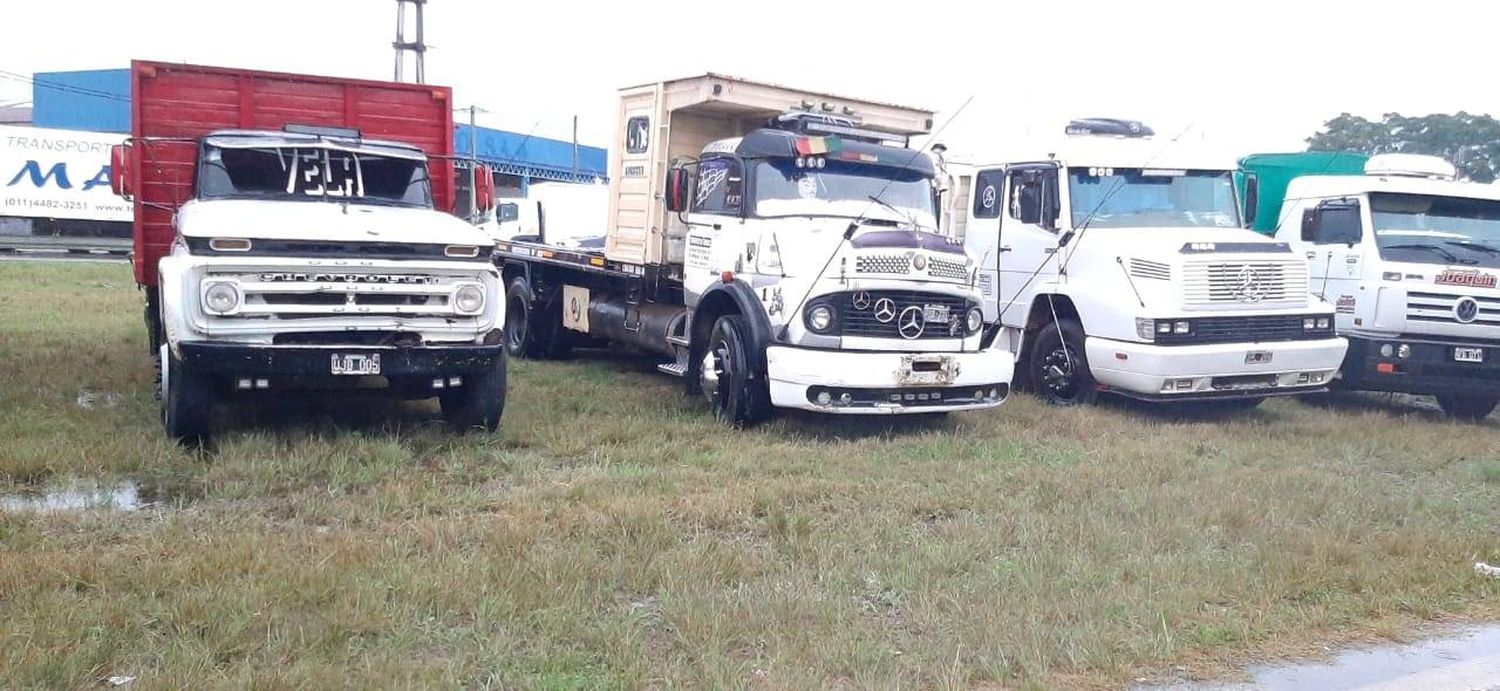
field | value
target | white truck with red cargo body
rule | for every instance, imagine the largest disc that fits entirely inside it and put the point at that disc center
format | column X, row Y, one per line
column 778, row 248
column 288, row 237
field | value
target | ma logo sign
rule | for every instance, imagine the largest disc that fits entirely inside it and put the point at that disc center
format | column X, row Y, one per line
column 57, row 175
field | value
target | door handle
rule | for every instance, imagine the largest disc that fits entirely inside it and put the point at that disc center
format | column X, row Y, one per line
column 1312, row 255
column 1049, row 250
column 1005, row 248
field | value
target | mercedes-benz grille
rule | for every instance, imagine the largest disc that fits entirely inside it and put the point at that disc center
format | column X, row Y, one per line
column 901, row 314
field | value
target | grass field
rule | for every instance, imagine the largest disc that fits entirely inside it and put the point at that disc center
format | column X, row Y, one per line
column 612, row 536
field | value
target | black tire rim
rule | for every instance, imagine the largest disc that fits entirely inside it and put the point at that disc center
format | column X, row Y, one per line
column 1057, row 375
column 516, row 323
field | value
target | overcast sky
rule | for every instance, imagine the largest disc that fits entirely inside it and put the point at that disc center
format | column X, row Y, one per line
column 1251, row 76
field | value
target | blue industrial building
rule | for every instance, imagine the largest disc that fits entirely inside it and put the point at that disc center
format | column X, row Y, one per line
column 99, row 101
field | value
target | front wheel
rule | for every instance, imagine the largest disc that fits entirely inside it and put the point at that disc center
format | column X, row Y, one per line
column 186, row 400
column 480, row 401
column 730, row 376
column 1472, row 408
column 1058, row 370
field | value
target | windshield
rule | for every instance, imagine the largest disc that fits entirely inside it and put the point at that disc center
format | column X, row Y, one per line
column 1436, row 230
column 842, row 189
column 313, row 173
column 1149, row 198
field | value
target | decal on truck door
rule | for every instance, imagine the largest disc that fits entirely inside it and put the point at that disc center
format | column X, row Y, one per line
column 576, row 308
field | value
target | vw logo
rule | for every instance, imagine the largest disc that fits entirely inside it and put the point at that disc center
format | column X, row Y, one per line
column 861, row 300
column 1247, row 286
column 911, row 324
column 885, row 310
column 1466, row 309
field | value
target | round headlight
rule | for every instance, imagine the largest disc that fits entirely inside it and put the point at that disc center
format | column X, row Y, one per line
column 975, row 320
column 221, row 297
column 468, row 299
column 820, row 318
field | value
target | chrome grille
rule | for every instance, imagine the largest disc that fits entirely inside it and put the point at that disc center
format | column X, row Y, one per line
column 882, row 264
column 942, row 268
column 1442, row 308
column 877, row 313
column 1218, row 282
column 311, row 295
column 1141, row 268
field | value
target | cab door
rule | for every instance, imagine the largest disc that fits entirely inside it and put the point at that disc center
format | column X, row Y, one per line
column 1028, row 238
column 1332, row 240
column 982, row 234
column 714, row 215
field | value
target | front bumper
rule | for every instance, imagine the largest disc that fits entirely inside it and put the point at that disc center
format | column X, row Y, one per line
column 874, row 383
column 1220, row 371
column 275, row 364
column 1430, row 368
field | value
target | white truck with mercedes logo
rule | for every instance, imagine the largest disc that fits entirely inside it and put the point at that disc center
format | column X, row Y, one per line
column 1409, row 255
column 1115, row 263
column 778, row 249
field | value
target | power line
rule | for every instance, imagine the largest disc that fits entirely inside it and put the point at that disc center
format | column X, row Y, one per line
column 65, row 88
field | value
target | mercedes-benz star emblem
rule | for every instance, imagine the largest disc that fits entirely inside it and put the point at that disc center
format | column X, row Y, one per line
column 1247, row 285
column 885, row 310
column 911, row 324
column 861, row 300
column 1466, row 309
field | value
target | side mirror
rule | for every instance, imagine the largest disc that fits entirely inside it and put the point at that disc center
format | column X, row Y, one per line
column 1050, row 204
column 678, row 182
column 120, row 163
column 484, row 188
column 1252, row 199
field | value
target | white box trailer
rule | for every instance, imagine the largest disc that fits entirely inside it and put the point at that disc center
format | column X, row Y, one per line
column 779, row 248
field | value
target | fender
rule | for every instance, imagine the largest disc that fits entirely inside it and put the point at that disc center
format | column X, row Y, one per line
column 719, row 296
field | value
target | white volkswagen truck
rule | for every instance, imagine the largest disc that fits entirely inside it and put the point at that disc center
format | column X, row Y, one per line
column 778, row 249
column 293, row 256
column 1115, row 262
column 1410, row 257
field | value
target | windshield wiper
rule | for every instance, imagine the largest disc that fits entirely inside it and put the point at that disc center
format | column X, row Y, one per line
column 1449, row 256
column 910, row 217
column 1476, row 246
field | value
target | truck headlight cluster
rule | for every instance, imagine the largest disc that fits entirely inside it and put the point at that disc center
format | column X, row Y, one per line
column 469, row 299
column 820, row 318
column 1148, row 329
column 222, row 297
column 974, row 321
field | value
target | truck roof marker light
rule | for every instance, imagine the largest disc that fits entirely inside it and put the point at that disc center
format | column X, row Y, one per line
column 461, row 251
column 726, row 277
column 229, row 244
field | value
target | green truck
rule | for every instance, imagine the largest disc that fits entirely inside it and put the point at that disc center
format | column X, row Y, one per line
column 1263, row 178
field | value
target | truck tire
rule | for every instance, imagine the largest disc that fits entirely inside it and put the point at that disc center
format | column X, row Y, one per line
column 1058, row 369
column 731, row 376
column 186, row 400
column 480, row 402
column 531, row 330
column 1472, row 408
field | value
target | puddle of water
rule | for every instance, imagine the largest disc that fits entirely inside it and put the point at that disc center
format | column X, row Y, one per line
column 80, row 496
column 1469, row 659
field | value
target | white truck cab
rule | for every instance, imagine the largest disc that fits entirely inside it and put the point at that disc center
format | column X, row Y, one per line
column 1410, row 256
column 1116, row 263
column 779, row 249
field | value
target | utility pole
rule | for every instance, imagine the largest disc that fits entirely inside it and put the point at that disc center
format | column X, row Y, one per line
column 575, row 146
column 473, row 162
column 417, row 47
